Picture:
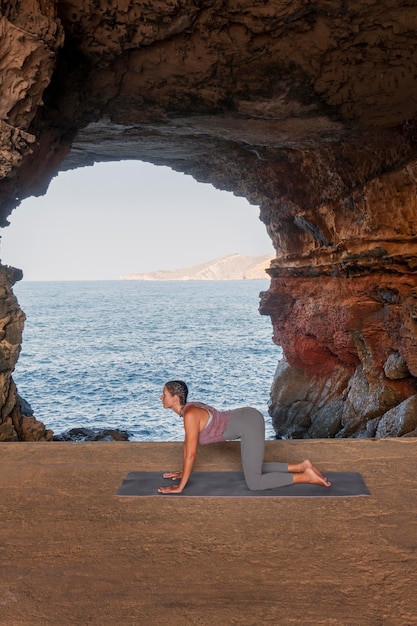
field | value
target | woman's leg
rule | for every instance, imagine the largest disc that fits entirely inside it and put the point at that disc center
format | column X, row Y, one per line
column 248, row 425
column 274, row 466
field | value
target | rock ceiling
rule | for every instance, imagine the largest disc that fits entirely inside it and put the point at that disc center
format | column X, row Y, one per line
column 308, row 109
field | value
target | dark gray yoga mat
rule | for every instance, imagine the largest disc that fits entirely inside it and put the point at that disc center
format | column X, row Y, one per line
column 232, row 484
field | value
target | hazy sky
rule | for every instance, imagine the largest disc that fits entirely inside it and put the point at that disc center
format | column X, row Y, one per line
column 102, row 222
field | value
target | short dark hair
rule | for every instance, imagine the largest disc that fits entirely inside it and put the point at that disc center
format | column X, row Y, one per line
column 178, row 388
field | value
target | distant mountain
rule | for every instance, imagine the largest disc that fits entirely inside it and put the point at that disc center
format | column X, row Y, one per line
column 232, row 267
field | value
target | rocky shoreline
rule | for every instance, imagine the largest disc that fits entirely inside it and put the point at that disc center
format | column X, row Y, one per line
column 93, row 434
column 34, row 430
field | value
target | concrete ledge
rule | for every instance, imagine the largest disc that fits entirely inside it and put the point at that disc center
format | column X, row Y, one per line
column 74, row 553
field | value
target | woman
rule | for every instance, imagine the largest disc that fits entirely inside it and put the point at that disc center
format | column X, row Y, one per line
column 204, row 424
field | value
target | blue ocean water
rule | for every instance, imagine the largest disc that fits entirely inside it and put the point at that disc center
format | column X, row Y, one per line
column 97, row 354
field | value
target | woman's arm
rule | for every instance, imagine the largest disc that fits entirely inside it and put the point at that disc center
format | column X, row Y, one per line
column 191, row 427
column 176, row 475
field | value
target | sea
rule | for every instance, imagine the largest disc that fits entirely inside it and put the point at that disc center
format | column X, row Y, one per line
column 96, row 354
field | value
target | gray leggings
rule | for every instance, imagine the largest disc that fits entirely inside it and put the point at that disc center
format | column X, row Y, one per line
column 248, row 425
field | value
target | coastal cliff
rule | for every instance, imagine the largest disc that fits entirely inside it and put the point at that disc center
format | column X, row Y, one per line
column 231, row 267
column 307, row 110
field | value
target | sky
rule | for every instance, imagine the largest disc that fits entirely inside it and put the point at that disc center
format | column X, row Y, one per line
column 112, row 219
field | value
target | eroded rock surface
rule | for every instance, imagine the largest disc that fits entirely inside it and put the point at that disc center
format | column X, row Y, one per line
column 11, row 328
column 307, row 109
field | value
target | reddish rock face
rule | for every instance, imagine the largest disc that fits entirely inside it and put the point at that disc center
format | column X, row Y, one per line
column 307, row 109
column 353, row 340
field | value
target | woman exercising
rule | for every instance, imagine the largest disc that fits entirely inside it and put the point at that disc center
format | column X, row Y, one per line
column 204, row 424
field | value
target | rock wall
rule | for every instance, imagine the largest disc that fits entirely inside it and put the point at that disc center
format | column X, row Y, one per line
column 306, row 109
column 14, row 424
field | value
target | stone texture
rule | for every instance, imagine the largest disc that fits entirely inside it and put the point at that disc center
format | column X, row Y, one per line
column 348, row 327
column 395, row 367
column 15, row 423
column 305, row 406
column 400, row 420
column 309, row 110
column 93, row 434
column 34, row 430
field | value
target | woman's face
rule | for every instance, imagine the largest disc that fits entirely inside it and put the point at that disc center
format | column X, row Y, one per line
column 167, row 398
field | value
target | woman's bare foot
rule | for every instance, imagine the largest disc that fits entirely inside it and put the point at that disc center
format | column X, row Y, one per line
column 309, row 475
column 302, row 467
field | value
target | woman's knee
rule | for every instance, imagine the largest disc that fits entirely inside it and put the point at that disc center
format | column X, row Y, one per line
column 253, row 481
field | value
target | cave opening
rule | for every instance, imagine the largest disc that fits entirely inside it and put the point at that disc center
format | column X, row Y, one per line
column 97, row 349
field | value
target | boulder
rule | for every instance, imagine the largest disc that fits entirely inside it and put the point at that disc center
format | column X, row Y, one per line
column 399, row 420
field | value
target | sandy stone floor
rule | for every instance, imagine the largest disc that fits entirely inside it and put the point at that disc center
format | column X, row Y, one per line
column 72, row 553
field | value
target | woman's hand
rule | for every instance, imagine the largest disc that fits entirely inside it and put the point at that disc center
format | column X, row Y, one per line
column 170, row 489
column 172, row 475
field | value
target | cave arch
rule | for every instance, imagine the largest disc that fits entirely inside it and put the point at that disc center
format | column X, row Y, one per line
column 308, row 111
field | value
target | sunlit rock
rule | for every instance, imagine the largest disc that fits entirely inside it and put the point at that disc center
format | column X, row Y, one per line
column 34, row 430
column 400, row 420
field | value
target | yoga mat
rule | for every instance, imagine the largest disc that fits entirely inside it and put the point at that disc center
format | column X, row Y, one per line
column 232, row 484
